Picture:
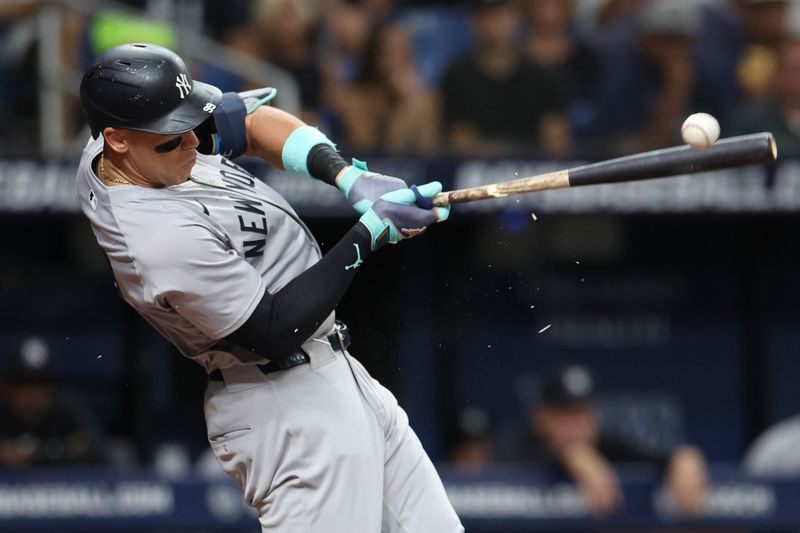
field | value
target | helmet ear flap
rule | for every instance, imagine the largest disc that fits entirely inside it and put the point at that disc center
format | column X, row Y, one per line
column 207, row 135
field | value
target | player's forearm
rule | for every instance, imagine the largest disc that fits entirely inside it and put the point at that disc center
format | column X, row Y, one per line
column 304, row 151
column 267, row 130
column 283, row 321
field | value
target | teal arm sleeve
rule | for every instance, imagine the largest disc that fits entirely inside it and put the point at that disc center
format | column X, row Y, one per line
column 297, row 147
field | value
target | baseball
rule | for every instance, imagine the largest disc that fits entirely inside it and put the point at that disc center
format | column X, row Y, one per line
column 700, row 130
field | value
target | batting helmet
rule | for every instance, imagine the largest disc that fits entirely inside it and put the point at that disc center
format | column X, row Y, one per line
column 145, row 87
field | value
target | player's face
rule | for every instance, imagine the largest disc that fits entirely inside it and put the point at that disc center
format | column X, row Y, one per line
column 162, row 159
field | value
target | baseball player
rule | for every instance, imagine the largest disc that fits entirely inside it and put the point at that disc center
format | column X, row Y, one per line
column 221, row 265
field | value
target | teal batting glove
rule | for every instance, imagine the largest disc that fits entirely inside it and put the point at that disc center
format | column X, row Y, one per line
column 395, row 216
column 362, row 187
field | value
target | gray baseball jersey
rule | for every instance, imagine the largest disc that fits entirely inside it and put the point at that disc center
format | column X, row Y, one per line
column 333, row 453
column 194, row 259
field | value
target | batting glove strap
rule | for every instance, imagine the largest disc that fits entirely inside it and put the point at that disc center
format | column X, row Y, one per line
column 350, row 176
column 379, row 229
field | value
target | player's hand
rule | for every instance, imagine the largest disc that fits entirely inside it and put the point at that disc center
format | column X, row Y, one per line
column 224, row 131
column 395, row 216
column 595, row 478
column 362, row 187
column 687, row 481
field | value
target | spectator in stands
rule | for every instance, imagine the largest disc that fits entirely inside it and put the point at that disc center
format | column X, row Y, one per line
column 736, row 52
column 553, row 43
column 40, row 424
column 379, row 9
column 17, row 75
column 235, row 24
column 225, row 20
column 252, row 28
column 388, row 107
column 649, row 81
column 496, row 99
column 471, row 446
column 780, row 111
column 287, row 31
column 345, row 35
column 14, row 9
column 564, row 431
column 593, row 18
column 765, row 24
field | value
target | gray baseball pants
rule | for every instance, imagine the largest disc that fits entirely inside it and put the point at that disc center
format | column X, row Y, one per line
column 324, row 448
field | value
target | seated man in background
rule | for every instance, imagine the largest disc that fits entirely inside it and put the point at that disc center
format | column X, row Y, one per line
column 471, row 447
column 495, row 99
column 564, row 430
column 39, row 424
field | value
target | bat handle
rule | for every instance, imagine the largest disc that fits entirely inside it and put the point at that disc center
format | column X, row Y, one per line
column 442, row 199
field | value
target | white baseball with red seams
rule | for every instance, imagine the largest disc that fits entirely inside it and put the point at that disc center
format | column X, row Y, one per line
column 700, row 130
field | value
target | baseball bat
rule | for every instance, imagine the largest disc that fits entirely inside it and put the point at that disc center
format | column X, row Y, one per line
column 726, row 153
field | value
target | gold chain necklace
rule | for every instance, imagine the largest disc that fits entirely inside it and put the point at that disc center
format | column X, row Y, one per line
column 110, row 178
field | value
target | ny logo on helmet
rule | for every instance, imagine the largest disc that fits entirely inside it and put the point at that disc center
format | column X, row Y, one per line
column 182, row 83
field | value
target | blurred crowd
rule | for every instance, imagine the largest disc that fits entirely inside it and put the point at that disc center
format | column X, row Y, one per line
column 549, row 78
column 546, row 78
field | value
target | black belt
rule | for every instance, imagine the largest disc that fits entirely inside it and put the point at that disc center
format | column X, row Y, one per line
column 339, row 339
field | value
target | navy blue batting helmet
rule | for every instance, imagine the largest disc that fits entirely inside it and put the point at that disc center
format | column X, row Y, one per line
column 145, row 87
